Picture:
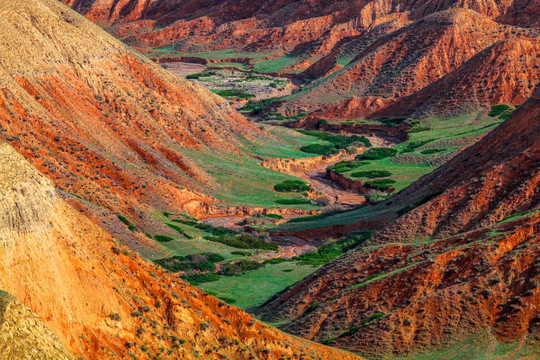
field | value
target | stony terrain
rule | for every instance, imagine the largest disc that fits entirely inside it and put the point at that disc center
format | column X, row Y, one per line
column 462, row 265
column 105, row 302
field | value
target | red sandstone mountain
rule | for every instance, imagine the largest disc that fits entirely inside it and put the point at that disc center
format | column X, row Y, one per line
column 101, row 300
column 368, row 57
column 456, row 56
column 103, row 122
column 460, row 269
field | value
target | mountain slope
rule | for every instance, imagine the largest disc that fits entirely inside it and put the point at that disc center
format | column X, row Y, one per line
column 362, row 58
column 105, row 302
column 460, row 266
column 103, row 122
column 21, row 330
column 415, row 56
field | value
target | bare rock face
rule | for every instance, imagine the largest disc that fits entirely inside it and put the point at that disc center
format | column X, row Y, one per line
column 102, row 300
column 23, row 335
column 461, row 267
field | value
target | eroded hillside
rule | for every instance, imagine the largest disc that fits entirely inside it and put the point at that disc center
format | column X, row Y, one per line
column 105, row 302
column 21, row 330
column 458, row 273
column 107, row 125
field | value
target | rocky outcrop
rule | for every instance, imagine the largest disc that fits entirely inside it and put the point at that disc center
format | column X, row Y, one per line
column 395, row 133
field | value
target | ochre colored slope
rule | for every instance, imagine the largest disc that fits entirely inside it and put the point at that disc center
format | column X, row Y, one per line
column 460, row 266
column 21, row 330
column 103, row 122
column 105, row 302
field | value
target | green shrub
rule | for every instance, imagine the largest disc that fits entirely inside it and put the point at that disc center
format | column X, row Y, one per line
column 239, row 267
column 241, row 253
column 228, row 300
column 415, row 145
column 245, row 242
column 179, row 230
column 418, row 129
column 391, row 121
column 292, row 186
column 197, row 76
column 377, row 153
column 329, row 252
column 234, row 93
column 373, row 318
column 371, row 174
column 163, row 238
column 432, row 151
column 293, row 202
column 320, row 149
column 276, row 261
column 213, row 257
column 381, row 184
column 197, row 279
column 274, row 216
column 216, row 231
column 497, row 110
column 130, row 226
column 339, row 141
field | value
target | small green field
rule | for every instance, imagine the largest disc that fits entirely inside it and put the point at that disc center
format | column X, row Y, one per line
column 255, row 287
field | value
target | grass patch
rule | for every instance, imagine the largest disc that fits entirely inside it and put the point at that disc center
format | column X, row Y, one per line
column 126, row 222
column 233, row 93
column 239, row 267
column 253, row 288
column 377, row 153
column 331, row 251
column 198, row 279
column 292, row 186
column 371, row 174
column 179, row 230
column 497, row 110
column 245, row 242
column 163, row 238
column 274, row 216
column 293, row 201
column 381, row 184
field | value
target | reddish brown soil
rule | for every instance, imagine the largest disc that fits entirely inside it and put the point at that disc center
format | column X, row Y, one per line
column 387, row 51
column 448, row 270
column 104, row 301
column 425, row 68
column 103, row 122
